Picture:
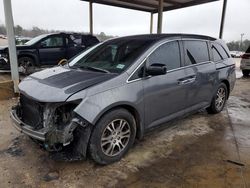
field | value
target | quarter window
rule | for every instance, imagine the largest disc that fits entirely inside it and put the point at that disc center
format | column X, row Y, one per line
column 219, row 52
column 167, row 54
column 195, row 52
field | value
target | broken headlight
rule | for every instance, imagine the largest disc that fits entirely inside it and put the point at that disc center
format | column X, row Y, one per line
column 64, row 113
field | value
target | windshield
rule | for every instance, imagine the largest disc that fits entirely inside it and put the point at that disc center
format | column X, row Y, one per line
column 113, row 56
column 34, row 40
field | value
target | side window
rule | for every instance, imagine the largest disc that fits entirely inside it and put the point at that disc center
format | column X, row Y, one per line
column 195, row 52
column 77, row 39
column 52, row 42
column 219, row 52
column 168, row 54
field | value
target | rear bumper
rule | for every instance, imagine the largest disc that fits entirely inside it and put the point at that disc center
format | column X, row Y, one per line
column 245, row 64
column 26, row 129
column 245, row 67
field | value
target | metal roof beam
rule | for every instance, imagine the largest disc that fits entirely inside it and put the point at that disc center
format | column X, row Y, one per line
column 184, row 5
column 121, row 5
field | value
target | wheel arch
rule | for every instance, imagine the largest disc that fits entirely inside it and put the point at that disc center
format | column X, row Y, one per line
column 226, row 82
column 131, row 109
column 34, row 57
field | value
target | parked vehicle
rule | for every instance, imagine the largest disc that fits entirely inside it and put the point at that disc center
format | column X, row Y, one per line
column 236, row 54
column 22, row 40
column 116, row 91
column 3, row 37
column 47, row 50
column 245, row 63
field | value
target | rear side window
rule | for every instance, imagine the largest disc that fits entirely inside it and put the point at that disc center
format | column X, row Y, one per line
column 195, row 52
column 168, row 54
column 219, row 52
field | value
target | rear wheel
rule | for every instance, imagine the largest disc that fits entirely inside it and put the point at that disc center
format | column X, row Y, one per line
column 219, row 100
column 112, row 136
column 26, row 65
column 245, row 72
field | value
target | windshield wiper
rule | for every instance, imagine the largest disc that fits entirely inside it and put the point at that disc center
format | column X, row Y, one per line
column 93, row 68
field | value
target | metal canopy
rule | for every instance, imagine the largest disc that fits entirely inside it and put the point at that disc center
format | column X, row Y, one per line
column 151, row 5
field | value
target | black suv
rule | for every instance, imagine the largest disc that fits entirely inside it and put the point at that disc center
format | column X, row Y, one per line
column 47, row 49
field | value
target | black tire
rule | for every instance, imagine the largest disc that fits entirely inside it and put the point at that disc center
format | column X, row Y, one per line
column 245, row 73
column 97, row 151
column 214, row 108
column 26, row 65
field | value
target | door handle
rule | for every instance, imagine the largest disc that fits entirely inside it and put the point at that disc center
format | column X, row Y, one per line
column 183, row 82
column 187, row 81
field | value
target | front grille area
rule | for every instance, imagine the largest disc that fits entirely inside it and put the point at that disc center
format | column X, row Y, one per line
column 31, row 112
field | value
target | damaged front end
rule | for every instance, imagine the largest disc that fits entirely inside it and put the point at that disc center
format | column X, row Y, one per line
column 55, row 125
column 4, row 61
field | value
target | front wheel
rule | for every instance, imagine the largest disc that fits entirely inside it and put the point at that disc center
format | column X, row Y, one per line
column 112, row 136
column 219, row 100
column 26, row 65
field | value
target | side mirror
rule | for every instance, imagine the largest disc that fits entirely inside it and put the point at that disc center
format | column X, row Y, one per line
column 156, row 69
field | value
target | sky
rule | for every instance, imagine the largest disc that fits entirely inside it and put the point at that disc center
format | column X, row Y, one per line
column 72, row 15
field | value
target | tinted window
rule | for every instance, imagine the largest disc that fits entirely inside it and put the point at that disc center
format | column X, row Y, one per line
column 219, row 52
column 52, row 42
column 168, row 54
column 195, row 52
column 216, row 54
column 114, row 56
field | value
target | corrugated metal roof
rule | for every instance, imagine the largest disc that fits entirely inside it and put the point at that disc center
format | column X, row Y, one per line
column 151, row 5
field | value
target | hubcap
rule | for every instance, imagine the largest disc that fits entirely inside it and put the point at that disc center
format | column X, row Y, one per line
column 220, row 98
column 115, row 137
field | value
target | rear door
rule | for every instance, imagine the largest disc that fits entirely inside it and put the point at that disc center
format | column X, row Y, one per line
column 73, row 45
column 52, row 49
column 164, row 97
column 201, row 73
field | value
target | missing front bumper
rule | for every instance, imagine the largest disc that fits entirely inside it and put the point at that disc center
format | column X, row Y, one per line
column 26, row 129
column 50, row 138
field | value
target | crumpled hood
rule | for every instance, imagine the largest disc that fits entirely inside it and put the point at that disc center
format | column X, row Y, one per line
column 59, row 83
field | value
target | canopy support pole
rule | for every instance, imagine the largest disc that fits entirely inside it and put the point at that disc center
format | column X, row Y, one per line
column 91, row 17
column 151, row 22
column 160, row 13
column 12, row 43
column 223, row 18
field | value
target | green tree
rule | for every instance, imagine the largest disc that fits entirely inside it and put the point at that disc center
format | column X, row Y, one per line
column 18, row 30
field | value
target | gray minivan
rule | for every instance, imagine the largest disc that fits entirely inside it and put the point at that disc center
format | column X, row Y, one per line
column 114, row 92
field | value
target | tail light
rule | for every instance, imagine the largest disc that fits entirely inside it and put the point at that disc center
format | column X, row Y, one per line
column 245, row 56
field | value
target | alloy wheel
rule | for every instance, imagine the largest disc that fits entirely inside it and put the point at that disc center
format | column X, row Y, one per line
column 26, row 66
column 220, row 98
column 115, row 137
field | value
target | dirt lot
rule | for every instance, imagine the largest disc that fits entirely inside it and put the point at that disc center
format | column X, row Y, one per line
column 201, row 150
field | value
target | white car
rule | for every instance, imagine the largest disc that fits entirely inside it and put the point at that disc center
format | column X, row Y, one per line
column 236, row 54
column 245, row 63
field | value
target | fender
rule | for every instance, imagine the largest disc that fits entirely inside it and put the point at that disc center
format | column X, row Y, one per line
column 30, row 53
column 92, row 108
